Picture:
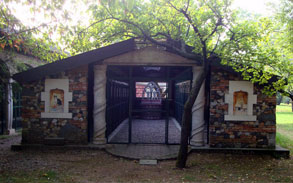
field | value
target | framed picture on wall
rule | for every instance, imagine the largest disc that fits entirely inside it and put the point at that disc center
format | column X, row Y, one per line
column 56, row 100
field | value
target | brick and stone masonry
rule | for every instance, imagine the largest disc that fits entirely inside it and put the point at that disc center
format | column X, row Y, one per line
column 235, row 134
column 240, row 134
column 37, row 129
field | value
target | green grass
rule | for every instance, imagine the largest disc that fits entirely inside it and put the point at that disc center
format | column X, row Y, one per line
column 189, row 178
column 285, row 118
column 284, row 136
column 4, row 136
column 284, row 107
column 18, row 132
column 284, row 141
column 35, row 176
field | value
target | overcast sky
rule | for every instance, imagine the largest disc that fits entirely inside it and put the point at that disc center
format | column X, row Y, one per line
column 22, row 13
column 33, row 20
column 254, row 6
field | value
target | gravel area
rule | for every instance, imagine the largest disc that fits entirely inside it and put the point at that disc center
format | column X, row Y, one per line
column 10, row 160
column 147, row 131
column 6, row 143
column 92, row 166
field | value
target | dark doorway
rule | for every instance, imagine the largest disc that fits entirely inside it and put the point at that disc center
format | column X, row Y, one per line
column 2, row 108
column 142, row 103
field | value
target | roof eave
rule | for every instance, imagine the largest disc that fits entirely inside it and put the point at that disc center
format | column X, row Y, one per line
column 75, row 61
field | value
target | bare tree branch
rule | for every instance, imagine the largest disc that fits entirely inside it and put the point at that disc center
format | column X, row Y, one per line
column 219, row 23
column 215, row 47
column 214, row 11
column 102, row 20
column 161, row 34
column 186, row 15
column 148, row 37
column 162, row 23
column 32, row 29
column 188, row 2
column 173, row 6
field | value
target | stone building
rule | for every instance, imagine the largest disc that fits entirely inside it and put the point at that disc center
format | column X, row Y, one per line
column 91, row 98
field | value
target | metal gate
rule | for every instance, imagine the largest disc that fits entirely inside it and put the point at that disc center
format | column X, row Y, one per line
column 182, row 90
column 117, row 105
column 125, row 109
column 2, row 108
column 16, row 124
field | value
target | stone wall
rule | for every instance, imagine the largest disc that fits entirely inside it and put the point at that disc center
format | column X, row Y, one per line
column 240, row 134
column 37, row 129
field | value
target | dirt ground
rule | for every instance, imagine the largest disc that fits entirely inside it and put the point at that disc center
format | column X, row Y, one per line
column 97, row 166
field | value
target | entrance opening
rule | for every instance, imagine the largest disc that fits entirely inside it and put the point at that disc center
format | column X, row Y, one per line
column 145, row 104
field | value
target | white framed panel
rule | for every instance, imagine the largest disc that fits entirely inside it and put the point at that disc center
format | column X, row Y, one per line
column 243, row 86
column 53, row 84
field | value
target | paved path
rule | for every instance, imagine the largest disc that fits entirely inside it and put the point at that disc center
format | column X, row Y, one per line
column 147, row 131
column 143, row 151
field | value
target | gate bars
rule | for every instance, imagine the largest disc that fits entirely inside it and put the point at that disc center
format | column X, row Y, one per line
column 120, row 92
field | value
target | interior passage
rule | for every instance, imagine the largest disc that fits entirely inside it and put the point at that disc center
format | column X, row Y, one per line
column 140, row 99
column 147, row 131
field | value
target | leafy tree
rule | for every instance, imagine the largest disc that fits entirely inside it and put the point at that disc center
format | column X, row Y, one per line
column 282, row 39
column 209, row 26
column 34, row 40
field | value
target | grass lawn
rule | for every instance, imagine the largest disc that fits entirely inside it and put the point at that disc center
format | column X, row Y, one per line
column 285, row 126
column 284, row 108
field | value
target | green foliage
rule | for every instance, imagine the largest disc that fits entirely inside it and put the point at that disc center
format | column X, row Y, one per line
column 251, row 51
column 284, row 24
column 4, row 76
column 34, row 41
column 253, row 45
column 114, row 21
column 282, row 40
column 243, row 41
column 256, row 46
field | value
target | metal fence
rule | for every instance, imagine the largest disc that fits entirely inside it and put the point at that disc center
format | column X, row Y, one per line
column 16, row 123
column 182, row 89
column 117, row 104
column 16, row 108
column 2, row 109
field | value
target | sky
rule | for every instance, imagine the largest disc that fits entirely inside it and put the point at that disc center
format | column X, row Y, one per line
column 79, row 16
column 30, row 19
column 254, row 6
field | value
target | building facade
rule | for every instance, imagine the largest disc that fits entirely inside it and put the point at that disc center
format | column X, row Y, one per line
column 96, row 96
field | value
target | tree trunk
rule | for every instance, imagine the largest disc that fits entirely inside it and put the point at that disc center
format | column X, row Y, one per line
column 186, row 121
